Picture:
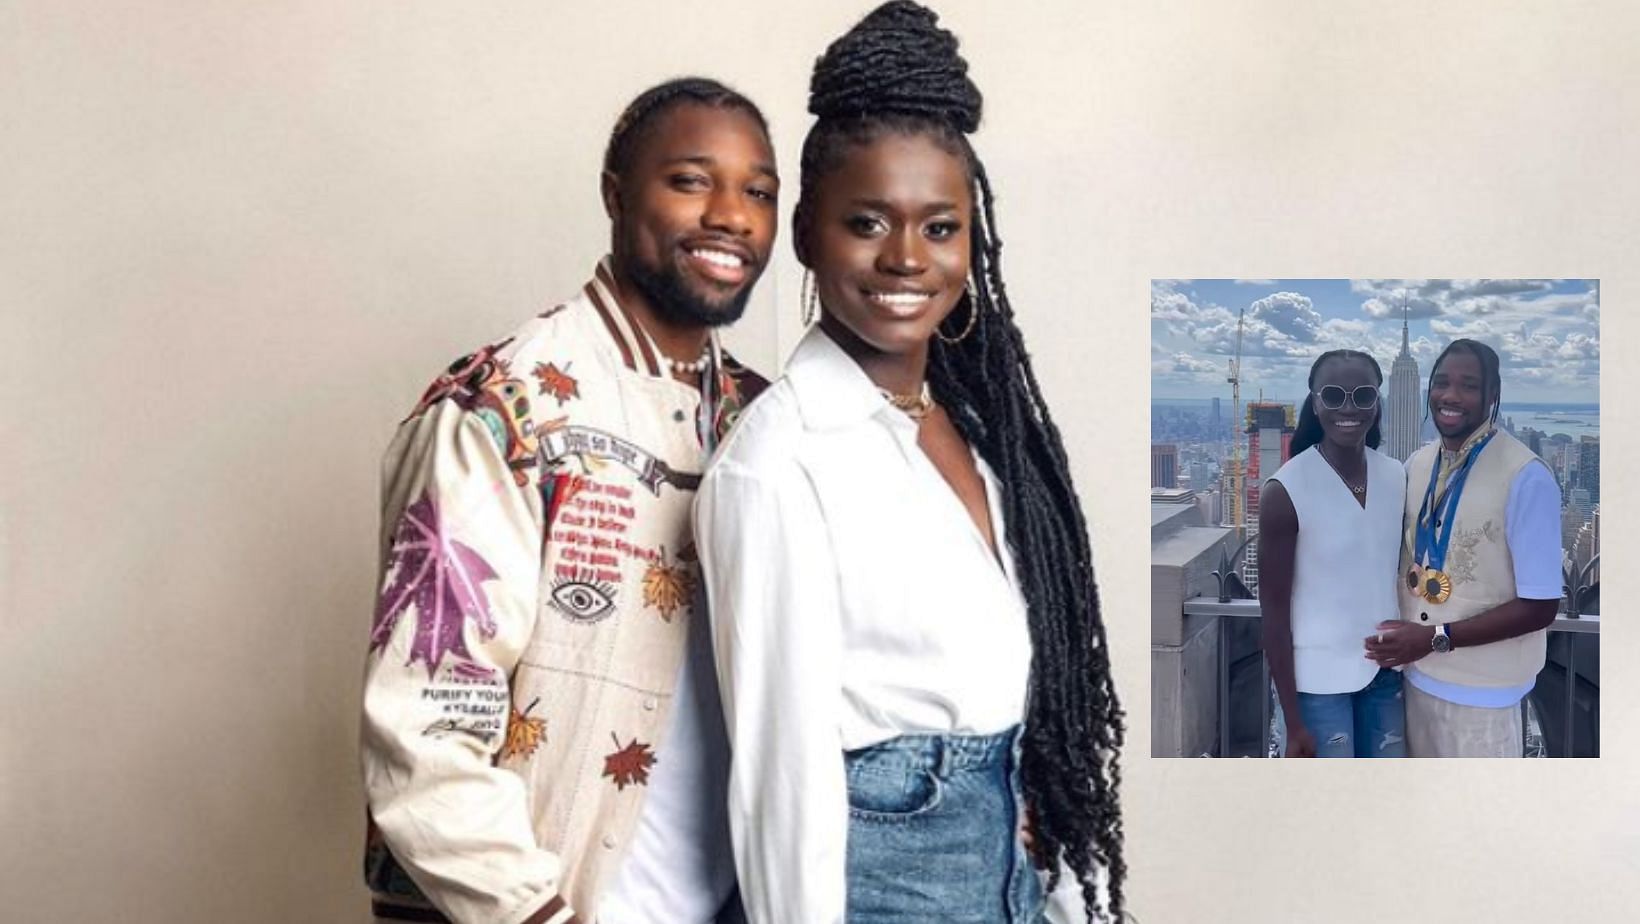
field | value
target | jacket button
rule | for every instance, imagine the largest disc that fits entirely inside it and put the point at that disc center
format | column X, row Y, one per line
column 1424, row 617
column 609, row 842
column 649, row 704
column 677, row 416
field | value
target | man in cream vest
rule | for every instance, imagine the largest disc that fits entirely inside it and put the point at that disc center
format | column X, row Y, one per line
column 1480, row 570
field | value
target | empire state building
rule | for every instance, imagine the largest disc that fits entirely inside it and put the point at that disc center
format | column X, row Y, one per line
column 1401, row 420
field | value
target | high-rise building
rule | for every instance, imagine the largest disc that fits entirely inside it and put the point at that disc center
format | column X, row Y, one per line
column 1570, row 523
column 1594, row 518
column 1401, row 417
column 1585, row 549
column 1215, row 424
column 1211, row 504
column 1269, row 443
column 1594, row 544
column 1579, row 501
column 1534, row 440
column 1227, row 491
column 1588, row 466
column 1582, row 550
column 1555, row 454
column 1200, row 479
column 1164, row 465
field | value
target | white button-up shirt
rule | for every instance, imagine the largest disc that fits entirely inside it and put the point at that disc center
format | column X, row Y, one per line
column 852, row 600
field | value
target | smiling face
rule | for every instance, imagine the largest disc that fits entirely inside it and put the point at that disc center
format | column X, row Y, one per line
column 1345, row 427
column 1457, row 396
column 694, row 214
column 888, row 241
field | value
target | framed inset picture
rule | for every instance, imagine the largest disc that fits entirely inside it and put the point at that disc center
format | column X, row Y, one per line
column 1375, row 517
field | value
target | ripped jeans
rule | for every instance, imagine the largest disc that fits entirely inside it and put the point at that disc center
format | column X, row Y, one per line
column 1371, row 722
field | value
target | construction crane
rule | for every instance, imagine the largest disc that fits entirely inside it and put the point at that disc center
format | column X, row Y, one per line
column 1238, row 487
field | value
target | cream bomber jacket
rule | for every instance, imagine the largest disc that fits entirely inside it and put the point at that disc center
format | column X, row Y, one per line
column 538, row 579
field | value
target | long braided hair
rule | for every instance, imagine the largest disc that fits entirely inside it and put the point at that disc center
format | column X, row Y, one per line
column 898, row 72
column 1308, row 432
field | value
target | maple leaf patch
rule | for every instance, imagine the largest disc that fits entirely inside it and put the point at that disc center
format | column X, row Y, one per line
column 443, row 579
column 629, row 765
column 557, row 382
column 524, row 734
column 667, row 588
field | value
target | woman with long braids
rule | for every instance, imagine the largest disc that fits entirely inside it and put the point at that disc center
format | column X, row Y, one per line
column 914, row 670
column 1329, row 539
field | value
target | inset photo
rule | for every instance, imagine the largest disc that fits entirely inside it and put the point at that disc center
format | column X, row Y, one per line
column 1375, row 518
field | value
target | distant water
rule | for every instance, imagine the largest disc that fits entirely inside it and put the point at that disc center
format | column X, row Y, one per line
column 1571, row 418
column 1574, row 420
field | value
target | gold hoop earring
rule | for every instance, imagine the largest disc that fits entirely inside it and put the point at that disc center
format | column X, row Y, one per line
column 973, row 316
column 810, row 296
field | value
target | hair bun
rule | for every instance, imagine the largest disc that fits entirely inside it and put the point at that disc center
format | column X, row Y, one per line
column 896, row 60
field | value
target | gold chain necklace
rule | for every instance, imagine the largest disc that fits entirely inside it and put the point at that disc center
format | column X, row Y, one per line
column 915, row 406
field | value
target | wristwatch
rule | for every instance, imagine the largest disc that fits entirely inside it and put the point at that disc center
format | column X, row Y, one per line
column 1440, row 641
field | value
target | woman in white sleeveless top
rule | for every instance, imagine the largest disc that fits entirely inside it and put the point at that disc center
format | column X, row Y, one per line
column 1329, row 541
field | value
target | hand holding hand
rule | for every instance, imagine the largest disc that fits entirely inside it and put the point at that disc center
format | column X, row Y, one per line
column 1399, row 643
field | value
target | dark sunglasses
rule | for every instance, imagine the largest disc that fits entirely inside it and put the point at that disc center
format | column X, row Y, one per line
column 1364, row 397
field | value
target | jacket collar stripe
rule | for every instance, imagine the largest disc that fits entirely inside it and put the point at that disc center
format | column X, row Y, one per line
column 631, row 332
column 609, row 324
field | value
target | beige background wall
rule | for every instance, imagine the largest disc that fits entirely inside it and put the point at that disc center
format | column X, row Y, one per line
column 237, row 239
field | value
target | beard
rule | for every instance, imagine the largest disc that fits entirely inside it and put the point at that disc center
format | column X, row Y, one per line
column 671, row 296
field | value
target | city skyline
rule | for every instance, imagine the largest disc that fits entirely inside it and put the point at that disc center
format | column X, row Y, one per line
column 1546, row 332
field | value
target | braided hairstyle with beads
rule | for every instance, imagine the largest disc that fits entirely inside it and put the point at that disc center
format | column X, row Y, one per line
column 898, row 72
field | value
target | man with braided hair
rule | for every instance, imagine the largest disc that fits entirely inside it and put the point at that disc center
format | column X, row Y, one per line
column 913, row 663
column 542, row 740
column 1480, row 569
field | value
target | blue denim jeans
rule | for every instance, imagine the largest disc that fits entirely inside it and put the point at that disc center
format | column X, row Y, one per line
column 1371, row 722
column 933, row 832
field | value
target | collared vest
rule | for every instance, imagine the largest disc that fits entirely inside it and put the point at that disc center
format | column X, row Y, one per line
column 1479, row 564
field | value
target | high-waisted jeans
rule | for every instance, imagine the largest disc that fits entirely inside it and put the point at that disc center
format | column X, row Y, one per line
column 933, row 832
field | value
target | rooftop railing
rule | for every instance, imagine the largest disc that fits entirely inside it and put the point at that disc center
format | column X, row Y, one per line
column 1568, row 625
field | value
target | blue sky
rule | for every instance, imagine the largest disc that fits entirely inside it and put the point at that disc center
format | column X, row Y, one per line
column 1546, row 331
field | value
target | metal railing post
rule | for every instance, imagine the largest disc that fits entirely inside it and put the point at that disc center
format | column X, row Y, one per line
column 1571, row 692
column 1264, row 708
column 1224, row 689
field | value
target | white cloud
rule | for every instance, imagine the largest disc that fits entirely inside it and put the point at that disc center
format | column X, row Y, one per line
column 1548, row 339
column 1474, row 288
column 1391, row 307
column 1290, row 314
column 1184, row 362
column 1341, row 328
column 1477, row 330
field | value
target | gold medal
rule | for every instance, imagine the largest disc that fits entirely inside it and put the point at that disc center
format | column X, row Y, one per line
column 1414, row 578
column 1437, row 586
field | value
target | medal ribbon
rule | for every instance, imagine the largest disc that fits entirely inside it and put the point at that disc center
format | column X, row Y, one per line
column 1433, row 539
